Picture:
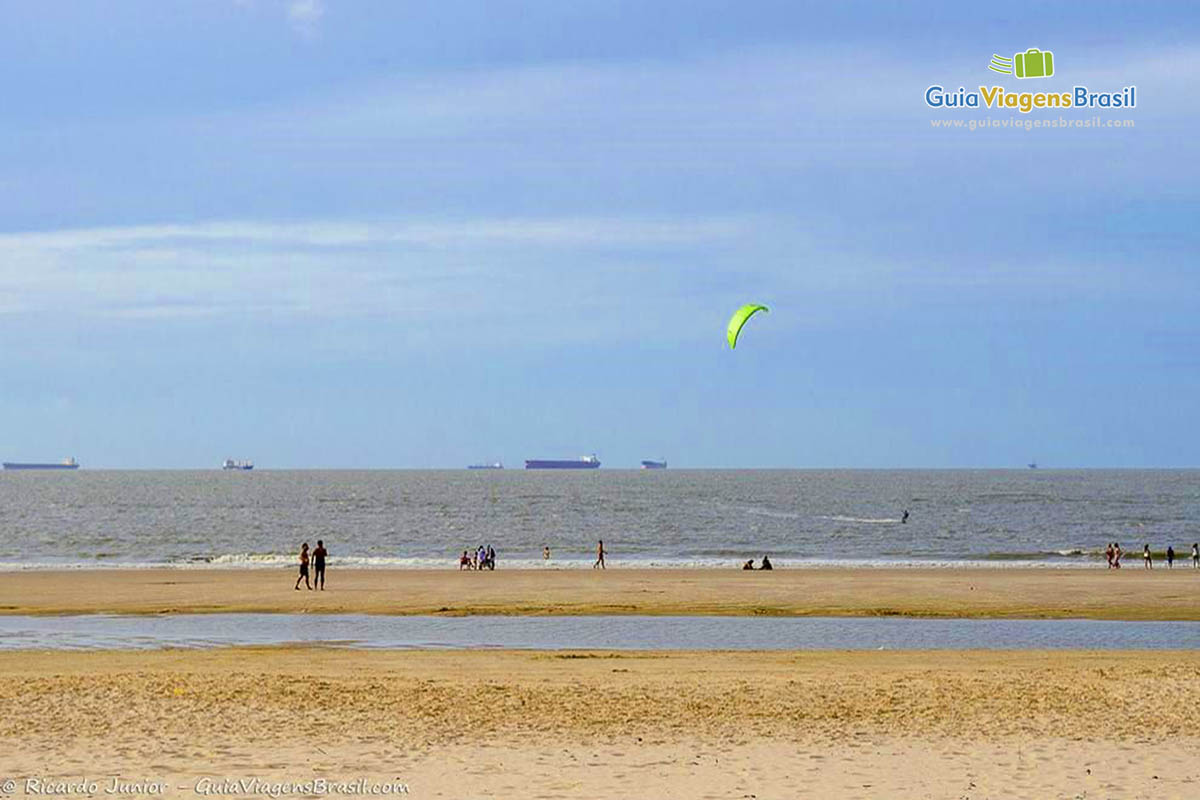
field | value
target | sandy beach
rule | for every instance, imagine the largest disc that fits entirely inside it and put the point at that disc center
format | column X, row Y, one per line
column 541, row 725
column 1132, row 594
column 591, row 724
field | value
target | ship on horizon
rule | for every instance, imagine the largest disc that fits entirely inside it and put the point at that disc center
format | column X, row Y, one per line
column 583, row 462
column 242, row 465
column 66, row 463
column 493, row 465
column 650, row 464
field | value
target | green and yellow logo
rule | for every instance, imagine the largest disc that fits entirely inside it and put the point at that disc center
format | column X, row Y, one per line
column 1033, row 63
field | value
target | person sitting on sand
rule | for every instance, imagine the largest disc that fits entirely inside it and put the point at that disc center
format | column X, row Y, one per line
column 1146, row 557
column 766, row 564
column 303, row 568
column 1108, row 553
column 749, row 564
column 464, row 562
column 1170, row 557
column 318, row 556
column 600, row 552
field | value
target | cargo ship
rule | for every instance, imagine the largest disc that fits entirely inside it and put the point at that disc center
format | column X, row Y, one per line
column 66, row 463
column 654, row 464
column 243, row 465
column 583, row 462
column 493, row 465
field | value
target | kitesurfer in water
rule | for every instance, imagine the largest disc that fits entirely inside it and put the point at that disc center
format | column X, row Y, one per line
column 904, row 519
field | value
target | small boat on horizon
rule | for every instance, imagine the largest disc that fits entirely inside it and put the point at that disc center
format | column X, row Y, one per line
column 648, row 464
column 66, row 463
column 493, row 465
column 583, row 462
column 242, row 465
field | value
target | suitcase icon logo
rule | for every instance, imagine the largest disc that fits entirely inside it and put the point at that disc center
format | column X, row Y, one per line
column 1033, row 63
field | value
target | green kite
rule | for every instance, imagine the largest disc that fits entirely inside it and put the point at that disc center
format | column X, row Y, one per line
column 739, row 319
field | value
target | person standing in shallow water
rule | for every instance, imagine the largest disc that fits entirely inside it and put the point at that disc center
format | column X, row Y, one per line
column 1196, row 555
column 1149, row 564
column 600, row 552
column 318, row 557
column 1170, row 557
column 303, row 568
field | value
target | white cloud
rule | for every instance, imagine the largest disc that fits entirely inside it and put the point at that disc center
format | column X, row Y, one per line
column 338, row 269
column 305, row 15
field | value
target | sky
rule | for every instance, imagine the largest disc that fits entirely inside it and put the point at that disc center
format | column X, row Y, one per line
column 411, row 235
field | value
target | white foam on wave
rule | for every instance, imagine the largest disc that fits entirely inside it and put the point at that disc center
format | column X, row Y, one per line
column 758, row 511
column 864, row 520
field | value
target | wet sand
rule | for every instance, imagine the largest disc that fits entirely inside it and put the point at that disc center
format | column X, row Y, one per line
column 1133, row 594
column 598, row 725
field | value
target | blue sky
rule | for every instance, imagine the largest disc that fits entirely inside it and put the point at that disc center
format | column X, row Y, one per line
column 377, row 234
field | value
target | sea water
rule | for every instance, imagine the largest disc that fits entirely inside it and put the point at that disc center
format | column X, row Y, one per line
column 654, row 518
column 587, row 633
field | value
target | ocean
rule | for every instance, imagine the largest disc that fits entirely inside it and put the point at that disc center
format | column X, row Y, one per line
column 667, row 518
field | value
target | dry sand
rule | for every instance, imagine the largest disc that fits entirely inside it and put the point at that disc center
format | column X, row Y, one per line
column 1099, row 593
column 606, row 725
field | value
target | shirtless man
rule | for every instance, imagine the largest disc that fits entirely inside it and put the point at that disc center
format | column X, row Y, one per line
column 600, row 551
column 303, row 568
column 318, row 556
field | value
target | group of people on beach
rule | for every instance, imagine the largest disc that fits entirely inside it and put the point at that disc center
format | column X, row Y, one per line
column 1113, row 553
column 482, row 558
column 318, row 564
column 485, row 557
column 766, row 564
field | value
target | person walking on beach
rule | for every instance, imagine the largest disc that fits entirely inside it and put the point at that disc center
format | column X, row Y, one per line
column 491, row 558
column 546, row 553
column 1146, row 561
column 1196, row 555
column 600, row 551
column 1108, row 553
column 319, row 565
column 1170, row 557
column 303, row 568
column 1117, row 555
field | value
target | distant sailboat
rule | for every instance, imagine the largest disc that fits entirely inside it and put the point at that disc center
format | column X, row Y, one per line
column 1033, row 465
